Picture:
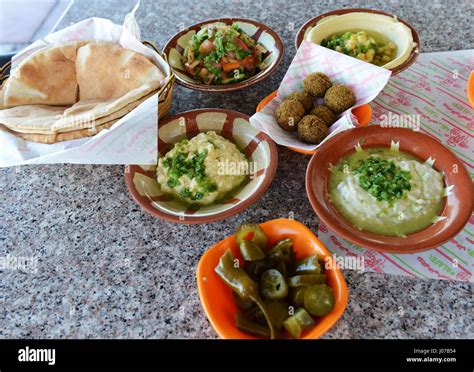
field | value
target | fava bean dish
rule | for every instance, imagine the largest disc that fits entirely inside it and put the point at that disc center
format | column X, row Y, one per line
column 223, row 54
column 276, row 294
column 363, row 46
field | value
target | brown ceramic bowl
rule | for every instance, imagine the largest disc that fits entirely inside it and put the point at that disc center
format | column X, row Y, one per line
column 306, row 28
column 258, row 31
column 257, row 146
column 458, row 205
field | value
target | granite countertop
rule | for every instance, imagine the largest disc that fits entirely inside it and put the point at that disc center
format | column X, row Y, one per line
column 106, row 269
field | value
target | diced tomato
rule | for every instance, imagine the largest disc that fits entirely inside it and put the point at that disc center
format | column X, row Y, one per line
column 241, row 44
column 249, row 63
column 206, row 47
column 230, row 66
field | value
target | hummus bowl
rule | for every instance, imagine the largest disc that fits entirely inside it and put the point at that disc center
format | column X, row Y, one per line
column 375, row 22
column 225, row 126
column 455, row 207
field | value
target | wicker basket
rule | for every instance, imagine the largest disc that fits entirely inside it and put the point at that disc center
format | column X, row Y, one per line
column 165, row 93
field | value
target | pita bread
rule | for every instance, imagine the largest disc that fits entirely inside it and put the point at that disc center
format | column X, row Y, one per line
column 46, row 77
column 106, row 70
column 41, row 119
column 94, row 83
column 59, row 137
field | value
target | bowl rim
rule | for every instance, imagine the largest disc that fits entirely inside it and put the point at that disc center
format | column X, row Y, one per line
column 396, row 70
column 235, row 86
column 184, row 219
column 326, row 322
column 381, row 245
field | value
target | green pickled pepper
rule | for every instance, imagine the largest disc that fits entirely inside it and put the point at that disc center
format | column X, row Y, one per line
column 251, row 251
column 243, row 285
column 248, row 326
column 298, row 322
column 308, row 265
column 252, row 232
column 318, row 300
column 297, row 295
column 273, row 285
column 306, row 280
column 281, row 252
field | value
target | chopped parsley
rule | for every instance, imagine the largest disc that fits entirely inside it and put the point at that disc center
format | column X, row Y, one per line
column 383, row 179
column 191, row 165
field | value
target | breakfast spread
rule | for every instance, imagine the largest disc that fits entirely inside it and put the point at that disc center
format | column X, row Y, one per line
column 213, row 163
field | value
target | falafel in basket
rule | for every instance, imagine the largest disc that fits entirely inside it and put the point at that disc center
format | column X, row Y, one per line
column 315, row 98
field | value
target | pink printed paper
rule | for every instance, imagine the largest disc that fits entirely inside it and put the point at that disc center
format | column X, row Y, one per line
column 435, row 88
column 365, row 80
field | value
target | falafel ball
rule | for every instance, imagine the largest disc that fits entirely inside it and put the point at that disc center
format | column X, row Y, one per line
column 316, row 84
column 339, row 98
column 312, row 129
column 304, row 98
column 325, row 114
column 289, row 113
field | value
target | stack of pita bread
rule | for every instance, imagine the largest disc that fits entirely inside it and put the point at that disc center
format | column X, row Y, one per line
column 75, row 90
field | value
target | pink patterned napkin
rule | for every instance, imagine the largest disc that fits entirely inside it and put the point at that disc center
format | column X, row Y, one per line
column 435, row 88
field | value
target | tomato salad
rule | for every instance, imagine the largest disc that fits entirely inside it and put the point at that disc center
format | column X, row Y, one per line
column 223, row 54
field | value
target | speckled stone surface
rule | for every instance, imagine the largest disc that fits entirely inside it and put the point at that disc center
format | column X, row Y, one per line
column 106, row 269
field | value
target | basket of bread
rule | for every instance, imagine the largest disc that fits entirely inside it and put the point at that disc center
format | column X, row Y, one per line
column 91, row 77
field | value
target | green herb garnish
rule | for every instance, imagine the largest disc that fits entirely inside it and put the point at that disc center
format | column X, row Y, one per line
column 191, row 165
column 383, row 179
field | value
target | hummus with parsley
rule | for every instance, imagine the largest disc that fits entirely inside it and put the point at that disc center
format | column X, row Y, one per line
column 194, row 171
column 386, row 192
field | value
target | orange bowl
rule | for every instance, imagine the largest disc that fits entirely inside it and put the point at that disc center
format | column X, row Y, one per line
column 470, row 89
column 362, row 113
column 216, row 297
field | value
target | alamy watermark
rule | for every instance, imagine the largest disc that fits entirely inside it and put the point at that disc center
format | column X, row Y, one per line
column 344, row 263
column 237, row 168
column 409, row 121
column 19, row 263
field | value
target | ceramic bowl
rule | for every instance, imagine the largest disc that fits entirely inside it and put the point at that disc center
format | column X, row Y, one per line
column 458, row 205
column 309, row 25
column 258, row 31
column 257, row 146
column 216, row 297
